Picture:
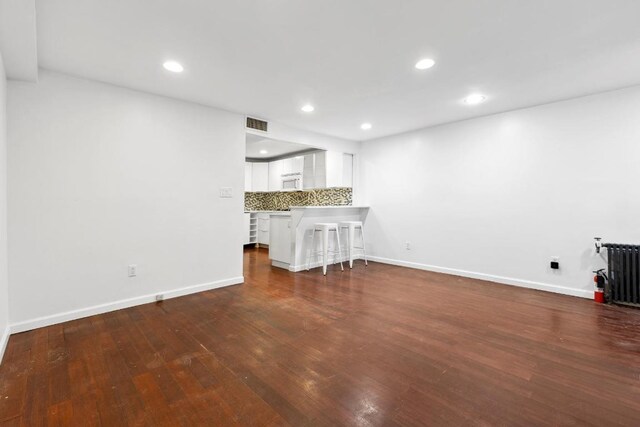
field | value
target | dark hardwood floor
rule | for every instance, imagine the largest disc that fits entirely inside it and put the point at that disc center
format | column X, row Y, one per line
column 381, row 345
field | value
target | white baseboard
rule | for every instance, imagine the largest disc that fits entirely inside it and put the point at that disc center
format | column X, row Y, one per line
column 4, row 341
column 489, row 277
column 117, row 305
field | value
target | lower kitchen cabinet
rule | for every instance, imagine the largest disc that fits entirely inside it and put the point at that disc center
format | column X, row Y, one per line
column 263, row 228
column 280, row 247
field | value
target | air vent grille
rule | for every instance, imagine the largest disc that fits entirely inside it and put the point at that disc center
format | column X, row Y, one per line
column 256, row 124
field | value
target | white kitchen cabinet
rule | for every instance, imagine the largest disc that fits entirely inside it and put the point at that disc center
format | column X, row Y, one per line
column 334, row 168
column 263, row 228
column 314, row 171
column 287, row 166
column 275, row 175
column 322, row 169
column 256, row 176
column 248, row 176
column 260, row 177
column 292, row 165
column 308, row 172
column 320, row 172
column 339, row 169
column 280, row 247
column 278, row 168
column 297, row 164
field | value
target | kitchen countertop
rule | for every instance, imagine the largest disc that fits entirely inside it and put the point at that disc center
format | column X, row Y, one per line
column 329, row 207
column 271, row 213
column 308, row 207
column 265, row 212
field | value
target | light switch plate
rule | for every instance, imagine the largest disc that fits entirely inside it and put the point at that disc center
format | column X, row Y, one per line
column 226, row 192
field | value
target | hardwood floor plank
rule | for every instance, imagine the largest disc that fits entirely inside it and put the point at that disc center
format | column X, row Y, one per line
column 60, row 414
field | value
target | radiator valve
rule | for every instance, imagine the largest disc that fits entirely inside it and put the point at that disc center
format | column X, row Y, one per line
column 598, row 244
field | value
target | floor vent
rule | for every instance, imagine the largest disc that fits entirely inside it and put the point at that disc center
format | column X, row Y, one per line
column 624, row 274
column 257, row 124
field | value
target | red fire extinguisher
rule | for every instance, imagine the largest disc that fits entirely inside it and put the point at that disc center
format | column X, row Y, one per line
column 600, row 279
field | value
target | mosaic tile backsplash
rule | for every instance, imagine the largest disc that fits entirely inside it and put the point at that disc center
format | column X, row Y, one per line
column 282, row 200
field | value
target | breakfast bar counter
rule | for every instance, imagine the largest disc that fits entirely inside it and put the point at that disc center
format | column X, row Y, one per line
column 290, row 235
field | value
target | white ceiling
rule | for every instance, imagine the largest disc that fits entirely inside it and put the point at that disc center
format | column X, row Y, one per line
column 274, row 148
column 353, row 60
column 18, row 39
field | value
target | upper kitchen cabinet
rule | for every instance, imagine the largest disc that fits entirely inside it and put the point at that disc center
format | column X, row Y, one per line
column 260, row 177
column 292, row 165
column 326, row 169
column 275, row 175
column 339, row 168
column 283, row 167
column 256, row 176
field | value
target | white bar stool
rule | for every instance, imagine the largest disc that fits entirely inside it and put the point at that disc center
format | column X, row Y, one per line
column 351, row 227
column 325, row 228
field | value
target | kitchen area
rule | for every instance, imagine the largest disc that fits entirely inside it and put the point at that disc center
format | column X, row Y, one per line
column 289, row 188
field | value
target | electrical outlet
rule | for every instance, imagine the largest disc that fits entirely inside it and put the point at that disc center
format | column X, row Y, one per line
column 133, row 270
column 555, row 263
column 407, row 245
column 226, row 192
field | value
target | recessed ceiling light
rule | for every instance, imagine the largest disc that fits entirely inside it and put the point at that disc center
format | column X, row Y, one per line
column 365, row 126
column 307, row 108
column 474, row 99
column 425, row 64
column 263, row 151
column 173, row 66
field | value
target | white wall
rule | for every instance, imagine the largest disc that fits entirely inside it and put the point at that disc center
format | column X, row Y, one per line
column 497, row 197
column 4, row 287
column 101, row 177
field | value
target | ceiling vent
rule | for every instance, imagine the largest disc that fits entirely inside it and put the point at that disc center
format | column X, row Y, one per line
column 256, row 124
